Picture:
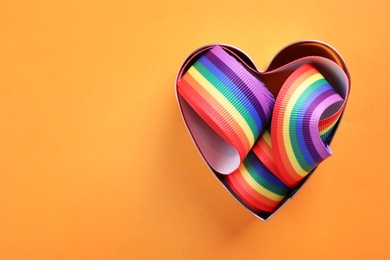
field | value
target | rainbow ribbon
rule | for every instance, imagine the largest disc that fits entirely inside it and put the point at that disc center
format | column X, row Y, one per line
column 234, row 103
column 304, row 99
column 265, row 147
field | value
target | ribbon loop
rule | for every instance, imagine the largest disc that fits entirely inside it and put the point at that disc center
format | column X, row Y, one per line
column 297, row 146
column 231, row 101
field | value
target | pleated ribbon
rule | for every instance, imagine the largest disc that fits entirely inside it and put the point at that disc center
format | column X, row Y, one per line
column 265, row 147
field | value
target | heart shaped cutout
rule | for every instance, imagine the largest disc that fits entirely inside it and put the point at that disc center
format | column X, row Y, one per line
column 263, row 133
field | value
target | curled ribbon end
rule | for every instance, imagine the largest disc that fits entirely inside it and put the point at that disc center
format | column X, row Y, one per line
column 231, row 107
column 298, row 147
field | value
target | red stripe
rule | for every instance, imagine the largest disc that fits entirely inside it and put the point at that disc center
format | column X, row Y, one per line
column 200, row 100
column 244, row 199
column 254, row 193
column 264, row 152
column 326, row 122
column 253, row 196
column 286, row 172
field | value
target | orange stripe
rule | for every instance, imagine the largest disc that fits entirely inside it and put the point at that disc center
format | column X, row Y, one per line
column 236, row 136
column 263, row 151
column 243, row 198
column 247, row 198
column 250, row 191
column 286, row 171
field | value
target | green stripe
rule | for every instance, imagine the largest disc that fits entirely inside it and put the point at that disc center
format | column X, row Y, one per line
column 292, row 127
column 221, row 87
column 261, row 181
column 325, row 135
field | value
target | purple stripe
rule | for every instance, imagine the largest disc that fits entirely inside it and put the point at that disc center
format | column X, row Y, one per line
column 320, row 148
column 251, row 87
column 245, row 75
column 305, row 126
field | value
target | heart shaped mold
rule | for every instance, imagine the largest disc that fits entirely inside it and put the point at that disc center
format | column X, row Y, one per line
column 261, row 179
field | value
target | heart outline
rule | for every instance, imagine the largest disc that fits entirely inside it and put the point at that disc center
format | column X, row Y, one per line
column 288, row 55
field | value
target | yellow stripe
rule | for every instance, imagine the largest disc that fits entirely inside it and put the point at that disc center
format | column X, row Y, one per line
column 224, row 102
column 286, row 122
column 267, row 138
column 323, row 131
column 251, row 182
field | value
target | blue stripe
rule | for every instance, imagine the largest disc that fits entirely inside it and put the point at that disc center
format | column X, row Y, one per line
column 302, row 134
column 263, row 171
column 234, row 90
column 240, row 85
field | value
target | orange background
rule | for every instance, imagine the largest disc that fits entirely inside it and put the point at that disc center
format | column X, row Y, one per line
column 96, row 163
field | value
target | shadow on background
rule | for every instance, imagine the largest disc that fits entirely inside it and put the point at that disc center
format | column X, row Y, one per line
column 191, row 181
